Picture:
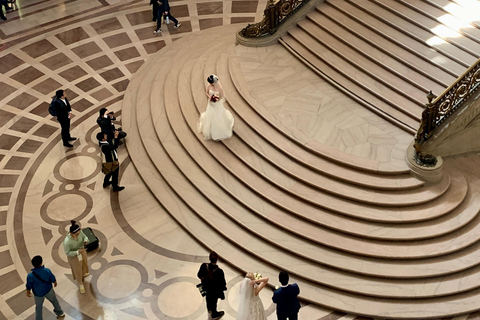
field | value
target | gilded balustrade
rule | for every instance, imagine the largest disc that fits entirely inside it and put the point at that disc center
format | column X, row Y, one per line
column 275, row 13
column 448, row 102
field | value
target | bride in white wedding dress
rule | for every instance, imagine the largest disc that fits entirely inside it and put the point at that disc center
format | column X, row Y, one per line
column 251, row 306
column 216, row 123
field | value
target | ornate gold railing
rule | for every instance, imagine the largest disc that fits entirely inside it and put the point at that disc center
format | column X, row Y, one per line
column 275, row 13
column 448, row 102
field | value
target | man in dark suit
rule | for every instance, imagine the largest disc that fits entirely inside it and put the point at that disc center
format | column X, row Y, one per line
column 109, row 149
column 64, row 114
column 105, row 122
column 286, row 298
column 213, row 282
column 164, row 10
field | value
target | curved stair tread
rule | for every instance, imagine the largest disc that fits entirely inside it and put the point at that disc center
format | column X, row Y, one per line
column 387, row 58
column 360, row 93
column 295, row 136
column 302, row 173
column 387, row 31
column 413, row 31
column 292, row 151
column 416, row 288
column 313, row 294
column 229, row 161
column 382, row 212
column 423, row 64
column 372, row 66
column 340, row 300
column 454, row 37
column 383, row 198
column 377, row 87
column 410, row 197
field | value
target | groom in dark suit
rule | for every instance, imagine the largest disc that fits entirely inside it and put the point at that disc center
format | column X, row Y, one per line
column 286, row 298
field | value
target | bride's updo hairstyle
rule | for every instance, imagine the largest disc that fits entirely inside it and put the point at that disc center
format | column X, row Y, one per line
column 250, row 276
column 212, row 79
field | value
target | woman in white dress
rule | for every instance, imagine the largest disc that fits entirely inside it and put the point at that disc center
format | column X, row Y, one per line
column 216, row 123
column 251, row 306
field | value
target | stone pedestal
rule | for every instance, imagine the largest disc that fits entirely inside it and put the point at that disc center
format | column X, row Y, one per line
column 429, row 174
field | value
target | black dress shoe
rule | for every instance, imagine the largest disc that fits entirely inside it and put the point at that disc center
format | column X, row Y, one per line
column 68, row 145
column 72, row 139
column 218, row 316
column 118, row 188
column 106, row 184
column 4, row 18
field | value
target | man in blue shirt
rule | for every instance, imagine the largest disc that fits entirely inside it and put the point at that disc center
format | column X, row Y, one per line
column 40, row 281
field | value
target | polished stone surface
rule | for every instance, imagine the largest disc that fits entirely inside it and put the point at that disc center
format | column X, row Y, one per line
column 146, row 266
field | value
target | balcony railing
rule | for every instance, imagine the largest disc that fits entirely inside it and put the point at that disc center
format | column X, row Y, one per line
column 275, row 13
column 448, row 102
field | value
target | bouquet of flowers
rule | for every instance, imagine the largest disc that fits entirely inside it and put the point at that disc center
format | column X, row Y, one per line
column 215, row 97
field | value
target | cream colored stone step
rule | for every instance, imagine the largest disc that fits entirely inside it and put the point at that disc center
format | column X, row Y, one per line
column 358, row 77
column 377, row 104
column 193, row 121
column 333, row 298
column 368, row 65
column 381, row 26
column 199, row 79
column 196, row 155
column 423, row 20
column 426, row 231
column 271, row 172
column 319, row 191
column 386, row 57
column 436, row 11
column 260, row 129
column 419, row 58
column 314, row 146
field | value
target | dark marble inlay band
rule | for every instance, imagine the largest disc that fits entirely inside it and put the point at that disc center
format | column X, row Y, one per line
column 135, row 236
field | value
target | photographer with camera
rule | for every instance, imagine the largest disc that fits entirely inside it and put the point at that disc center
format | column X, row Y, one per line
column 105, row 122
column 213, row 284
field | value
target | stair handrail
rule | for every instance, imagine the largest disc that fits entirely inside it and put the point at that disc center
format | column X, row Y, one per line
column 448, row 102
column 276, row 12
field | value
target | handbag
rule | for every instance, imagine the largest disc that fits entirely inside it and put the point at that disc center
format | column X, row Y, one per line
column 109, row 167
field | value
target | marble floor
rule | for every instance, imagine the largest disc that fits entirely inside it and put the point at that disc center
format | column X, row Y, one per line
column 146, row 266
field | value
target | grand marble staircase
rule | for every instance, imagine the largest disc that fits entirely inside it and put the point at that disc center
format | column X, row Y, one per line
column 388, row 53
column 357, row 236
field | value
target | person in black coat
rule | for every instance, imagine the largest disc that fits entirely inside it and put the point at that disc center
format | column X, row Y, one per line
column 154, row 3
column 286, row 298
column 213, row 282
column 64, row 114
column 109, row 149
column 105, row 122
column 164, row 10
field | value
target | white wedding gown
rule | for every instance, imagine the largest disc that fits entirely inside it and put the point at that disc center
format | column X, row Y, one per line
column 216, row 123
column 251, row 306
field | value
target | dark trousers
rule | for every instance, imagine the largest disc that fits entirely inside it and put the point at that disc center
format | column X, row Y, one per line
column 155, row 10
column 2, row 15
column 114, row 176
column 65, row 124
column 289, row 317
column 160, row 13
column 212, row 304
